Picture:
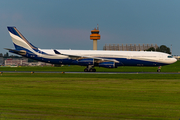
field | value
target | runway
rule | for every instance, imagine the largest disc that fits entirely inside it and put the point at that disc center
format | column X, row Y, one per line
column 90, row 72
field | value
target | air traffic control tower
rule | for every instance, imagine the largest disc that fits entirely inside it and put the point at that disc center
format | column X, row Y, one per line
column 95, row 36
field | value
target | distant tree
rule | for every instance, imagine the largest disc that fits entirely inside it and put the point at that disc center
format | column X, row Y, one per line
column 31, row 60
column 151, row 49
column 164, row 49
column 6, row 55
column 1, row 55
column 15, row 56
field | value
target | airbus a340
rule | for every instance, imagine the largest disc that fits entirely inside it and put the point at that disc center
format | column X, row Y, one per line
column 88, row 58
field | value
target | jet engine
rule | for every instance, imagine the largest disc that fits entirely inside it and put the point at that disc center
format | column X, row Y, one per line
column 107, row 65
column 86, row 62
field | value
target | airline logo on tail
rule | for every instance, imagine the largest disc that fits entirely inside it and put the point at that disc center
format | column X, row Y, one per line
column 20, row 42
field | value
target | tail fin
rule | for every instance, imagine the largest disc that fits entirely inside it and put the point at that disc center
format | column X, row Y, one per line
column 20, row 42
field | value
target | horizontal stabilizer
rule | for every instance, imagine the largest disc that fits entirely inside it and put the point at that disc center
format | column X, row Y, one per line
column 22, row 52
column 18, row 51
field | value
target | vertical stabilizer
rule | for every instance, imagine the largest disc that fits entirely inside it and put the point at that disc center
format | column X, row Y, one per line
column 19, row 41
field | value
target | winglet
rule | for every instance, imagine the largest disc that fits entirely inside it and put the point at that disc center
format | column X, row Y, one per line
column 57, row 52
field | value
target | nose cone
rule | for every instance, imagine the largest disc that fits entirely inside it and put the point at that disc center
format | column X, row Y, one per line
column 174, row 60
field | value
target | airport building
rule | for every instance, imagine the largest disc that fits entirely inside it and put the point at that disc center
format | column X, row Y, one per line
column 16, row 62
column 21, row 62
column 39, row 64
column 129, row 47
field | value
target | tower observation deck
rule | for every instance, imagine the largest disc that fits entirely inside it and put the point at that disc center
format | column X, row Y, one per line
column 95, row 36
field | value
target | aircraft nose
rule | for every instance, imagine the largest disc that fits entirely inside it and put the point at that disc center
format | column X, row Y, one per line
column 174, row 60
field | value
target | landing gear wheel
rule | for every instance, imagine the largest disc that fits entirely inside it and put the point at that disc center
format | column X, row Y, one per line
column 89, row 69
column 85, row 70
column 92, row 70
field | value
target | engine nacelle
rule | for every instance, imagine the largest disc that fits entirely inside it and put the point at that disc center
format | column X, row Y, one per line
column 86, row 62
column 107, row 64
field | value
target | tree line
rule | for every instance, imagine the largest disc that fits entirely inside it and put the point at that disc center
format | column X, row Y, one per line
column 6, row 55
column 162, row 48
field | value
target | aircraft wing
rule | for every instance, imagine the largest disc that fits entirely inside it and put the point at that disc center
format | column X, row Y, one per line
column 96, row 59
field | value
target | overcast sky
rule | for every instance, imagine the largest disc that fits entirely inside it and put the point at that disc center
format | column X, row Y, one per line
column 67, row 24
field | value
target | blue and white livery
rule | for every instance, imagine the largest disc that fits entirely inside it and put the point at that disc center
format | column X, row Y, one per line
column 89, row 58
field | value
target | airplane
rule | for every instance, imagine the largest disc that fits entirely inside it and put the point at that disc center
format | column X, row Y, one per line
column 88, row 58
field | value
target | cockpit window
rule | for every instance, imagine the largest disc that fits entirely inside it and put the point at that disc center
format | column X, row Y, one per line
column 170, row 56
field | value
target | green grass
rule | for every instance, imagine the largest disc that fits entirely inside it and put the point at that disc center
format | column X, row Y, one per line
column 169, row 68
column 89, row 97
column 57, row 96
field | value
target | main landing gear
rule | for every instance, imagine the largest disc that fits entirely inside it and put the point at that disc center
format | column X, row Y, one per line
column 90, row 69
column 159, row 69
